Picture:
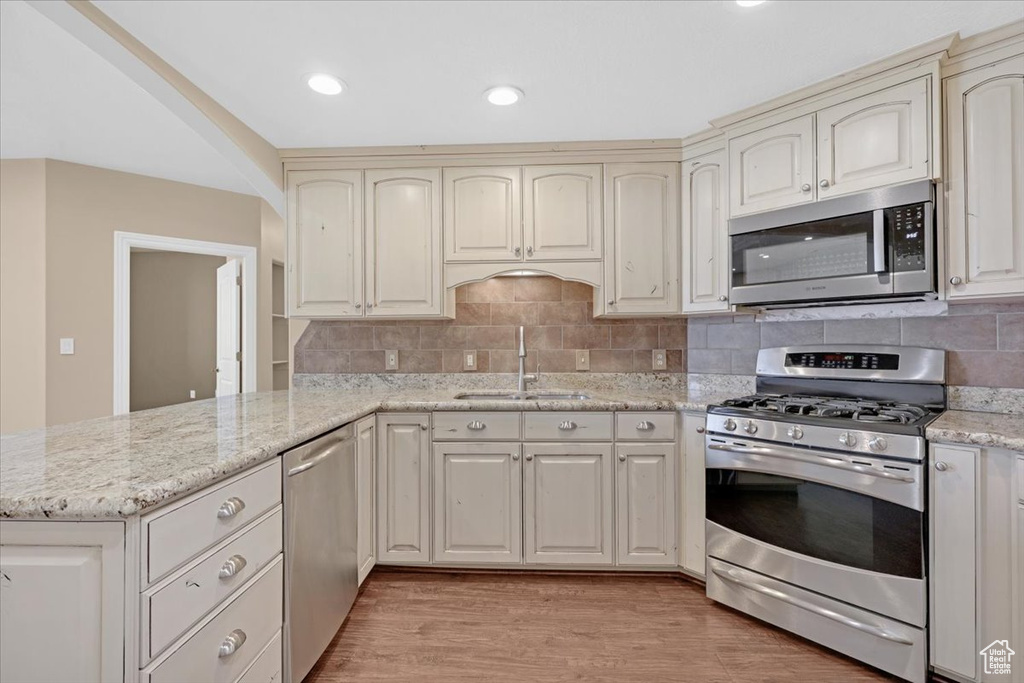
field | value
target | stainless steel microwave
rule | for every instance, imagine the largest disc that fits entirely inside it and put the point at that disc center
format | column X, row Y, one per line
column 877, row 245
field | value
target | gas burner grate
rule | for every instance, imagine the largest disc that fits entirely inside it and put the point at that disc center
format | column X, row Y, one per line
column 826, row 406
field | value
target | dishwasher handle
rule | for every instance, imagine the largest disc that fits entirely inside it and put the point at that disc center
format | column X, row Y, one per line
column 320, row 450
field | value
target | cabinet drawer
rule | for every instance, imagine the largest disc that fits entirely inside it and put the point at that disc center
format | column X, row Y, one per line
column 568, row 426
column 174, row 534
column 267, row 667
column 645, row 426
column 470, row 425
column 255, row 612
column 170, row 607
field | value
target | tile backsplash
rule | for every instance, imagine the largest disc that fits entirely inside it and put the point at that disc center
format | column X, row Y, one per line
column 558, row 317
column 985, row 341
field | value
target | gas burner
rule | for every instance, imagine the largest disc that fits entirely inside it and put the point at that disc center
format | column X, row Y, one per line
column 859, row 410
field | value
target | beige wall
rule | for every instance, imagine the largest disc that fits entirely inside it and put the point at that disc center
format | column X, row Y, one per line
column 22, row 294
column 173, row 327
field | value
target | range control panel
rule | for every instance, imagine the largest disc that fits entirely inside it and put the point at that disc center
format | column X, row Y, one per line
column 845, row 361
column 907, row 224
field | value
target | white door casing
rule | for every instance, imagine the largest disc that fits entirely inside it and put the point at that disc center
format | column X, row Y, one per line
column 229, row 329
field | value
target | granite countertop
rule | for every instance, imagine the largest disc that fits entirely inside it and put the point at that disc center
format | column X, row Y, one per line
column 991, row 430
column 116, row 467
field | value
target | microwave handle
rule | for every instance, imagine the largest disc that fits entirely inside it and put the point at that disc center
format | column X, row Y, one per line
column 878, row 240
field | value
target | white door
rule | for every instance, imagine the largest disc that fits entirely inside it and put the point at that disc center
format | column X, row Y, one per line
column 641, row 239
column 645, row 504
column 705, row 235
column 366, row 483
column 403, row 242
column 325, row 243
column 879, row 139
column 562, row 212
column 229, row 329
column 483, row 214
column 772, row 168
column 693, row 492
column 567, row 502
column 478, row 510
column 985, row 181
column 403, row 488
column 953, row 520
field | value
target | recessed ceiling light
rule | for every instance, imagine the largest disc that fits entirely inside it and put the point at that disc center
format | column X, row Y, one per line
column 504, row 95
column 325, row 84
column 749, row 3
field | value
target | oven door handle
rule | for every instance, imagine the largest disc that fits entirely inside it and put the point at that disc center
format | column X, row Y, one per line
column 824, row 461
column 878, row 631
column 878, row 239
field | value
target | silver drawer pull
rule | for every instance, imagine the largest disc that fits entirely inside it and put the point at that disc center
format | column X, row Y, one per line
column 231, row 643
column 567, row 425
column 476, row 426
column 645, row 426
column 232, row 566
column 230, row 507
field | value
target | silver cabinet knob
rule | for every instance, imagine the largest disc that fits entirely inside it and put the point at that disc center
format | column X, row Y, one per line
column 645, row 426
column 622, row 457
column 231, row 643
column 806, row 187
column 956, row 280
column 823, row 184
column 424, row 427
column 369, row 305
column 515, row 456
column 567, row 425
column 723, row 297
column 476, row 426
column 750, row 427
column 358, row 306
column 611, row 302
column 529, row 456
column 730, row 424
column 529, row 251
column 941, row 466
column 517, row 251
column 848, row 439
column 230, row 507
column 795, row 433
column 231, row 566
column 701, row 430
column 878, row 444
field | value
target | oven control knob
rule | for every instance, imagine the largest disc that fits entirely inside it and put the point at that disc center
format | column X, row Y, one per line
column 750, row 427
column 730, row 424
column 795, row 433
column 878, row 444
column 848, row 439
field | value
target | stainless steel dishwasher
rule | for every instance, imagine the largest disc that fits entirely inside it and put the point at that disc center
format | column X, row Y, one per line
column 321, row 568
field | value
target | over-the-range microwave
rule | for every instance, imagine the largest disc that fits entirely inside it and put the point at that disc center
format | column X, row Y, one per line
column 876, row 245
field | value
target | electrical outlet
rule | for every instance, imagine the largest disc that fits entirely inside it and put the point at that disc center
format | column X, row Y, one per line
column 469, row 360
column 391, row 360
column 67, row 346
column 658, row 360
column 583, row 359
column 191, row 393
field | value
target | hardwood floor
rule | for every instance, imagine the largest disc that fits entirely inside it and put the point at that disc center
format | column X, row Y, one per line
column 433, row 626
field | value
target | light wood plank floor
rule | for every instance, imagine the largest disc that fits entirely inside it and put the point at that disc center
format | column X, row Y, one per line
column 490, row 627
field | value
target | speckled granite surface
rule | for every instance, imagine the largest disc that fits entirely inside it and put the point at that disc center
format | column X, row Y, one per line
column 993, row 430
column 120, row 466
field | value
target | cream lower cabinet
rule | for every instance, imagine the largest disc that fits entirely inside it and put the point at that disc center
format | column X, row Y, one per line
column 692, row 491
column 977, row 571
column 366, row 492
column 645, row 503
column 567, row 501
column 403, row 488
column 985, row 181
column 705, row 234
column 478, row 503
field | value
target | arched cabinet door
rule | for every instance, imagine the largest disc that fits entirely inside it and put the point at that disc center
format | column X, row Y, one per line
column 483, row 214
column 772, row 168
column 325, row 243
column 705, row 235
column 985, row 181
column 562, row 212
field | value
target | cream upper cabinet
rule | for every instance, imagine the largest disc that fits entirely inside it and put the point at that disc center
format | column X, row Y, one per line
column 645, row 507
column 567, row 501
column 478, row 516
column 562, row 212
column 483, row 214
column 403, row 487
column 705, row 234
column 403, row 242
column 874, row 140
column 641, row 239
column 772, row 168
column 325, row 243
column 985, row 181
column 366, row 494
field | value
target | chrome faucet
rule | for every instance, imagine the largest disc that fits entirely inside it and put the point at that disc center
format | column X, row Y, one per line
column 525, row 378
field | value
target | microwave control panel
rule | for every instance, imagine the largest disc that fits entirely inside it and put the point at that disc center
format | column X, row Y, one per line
column 907, row 224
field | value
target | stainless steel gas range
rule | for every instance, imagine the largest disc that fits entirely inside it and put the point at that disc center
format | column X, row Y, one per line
column 816, row 498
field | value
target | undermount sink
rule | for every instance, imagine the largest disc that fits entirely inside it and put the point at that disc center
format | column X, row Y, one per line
column 516, row 396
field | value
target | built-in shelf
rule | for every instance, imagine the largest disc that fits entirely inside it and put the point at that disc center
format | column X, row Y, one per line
column 280, row 362
column 279, row 316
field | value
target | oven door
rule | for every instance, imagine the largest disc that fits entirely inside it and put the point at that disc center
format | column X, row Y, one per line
column 831, row 258
column 846, row 526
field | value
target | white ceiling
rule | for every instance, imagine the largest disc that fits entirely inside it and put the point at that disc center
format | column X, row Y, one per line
column 60, row 100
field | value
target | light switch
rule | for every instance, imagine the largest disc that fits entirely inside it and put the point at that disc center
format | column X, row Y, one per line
column 658, row 361
column 67, row 346
column 191, row 393
column 583, row 359
column 391, row 360
column 469, row 360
